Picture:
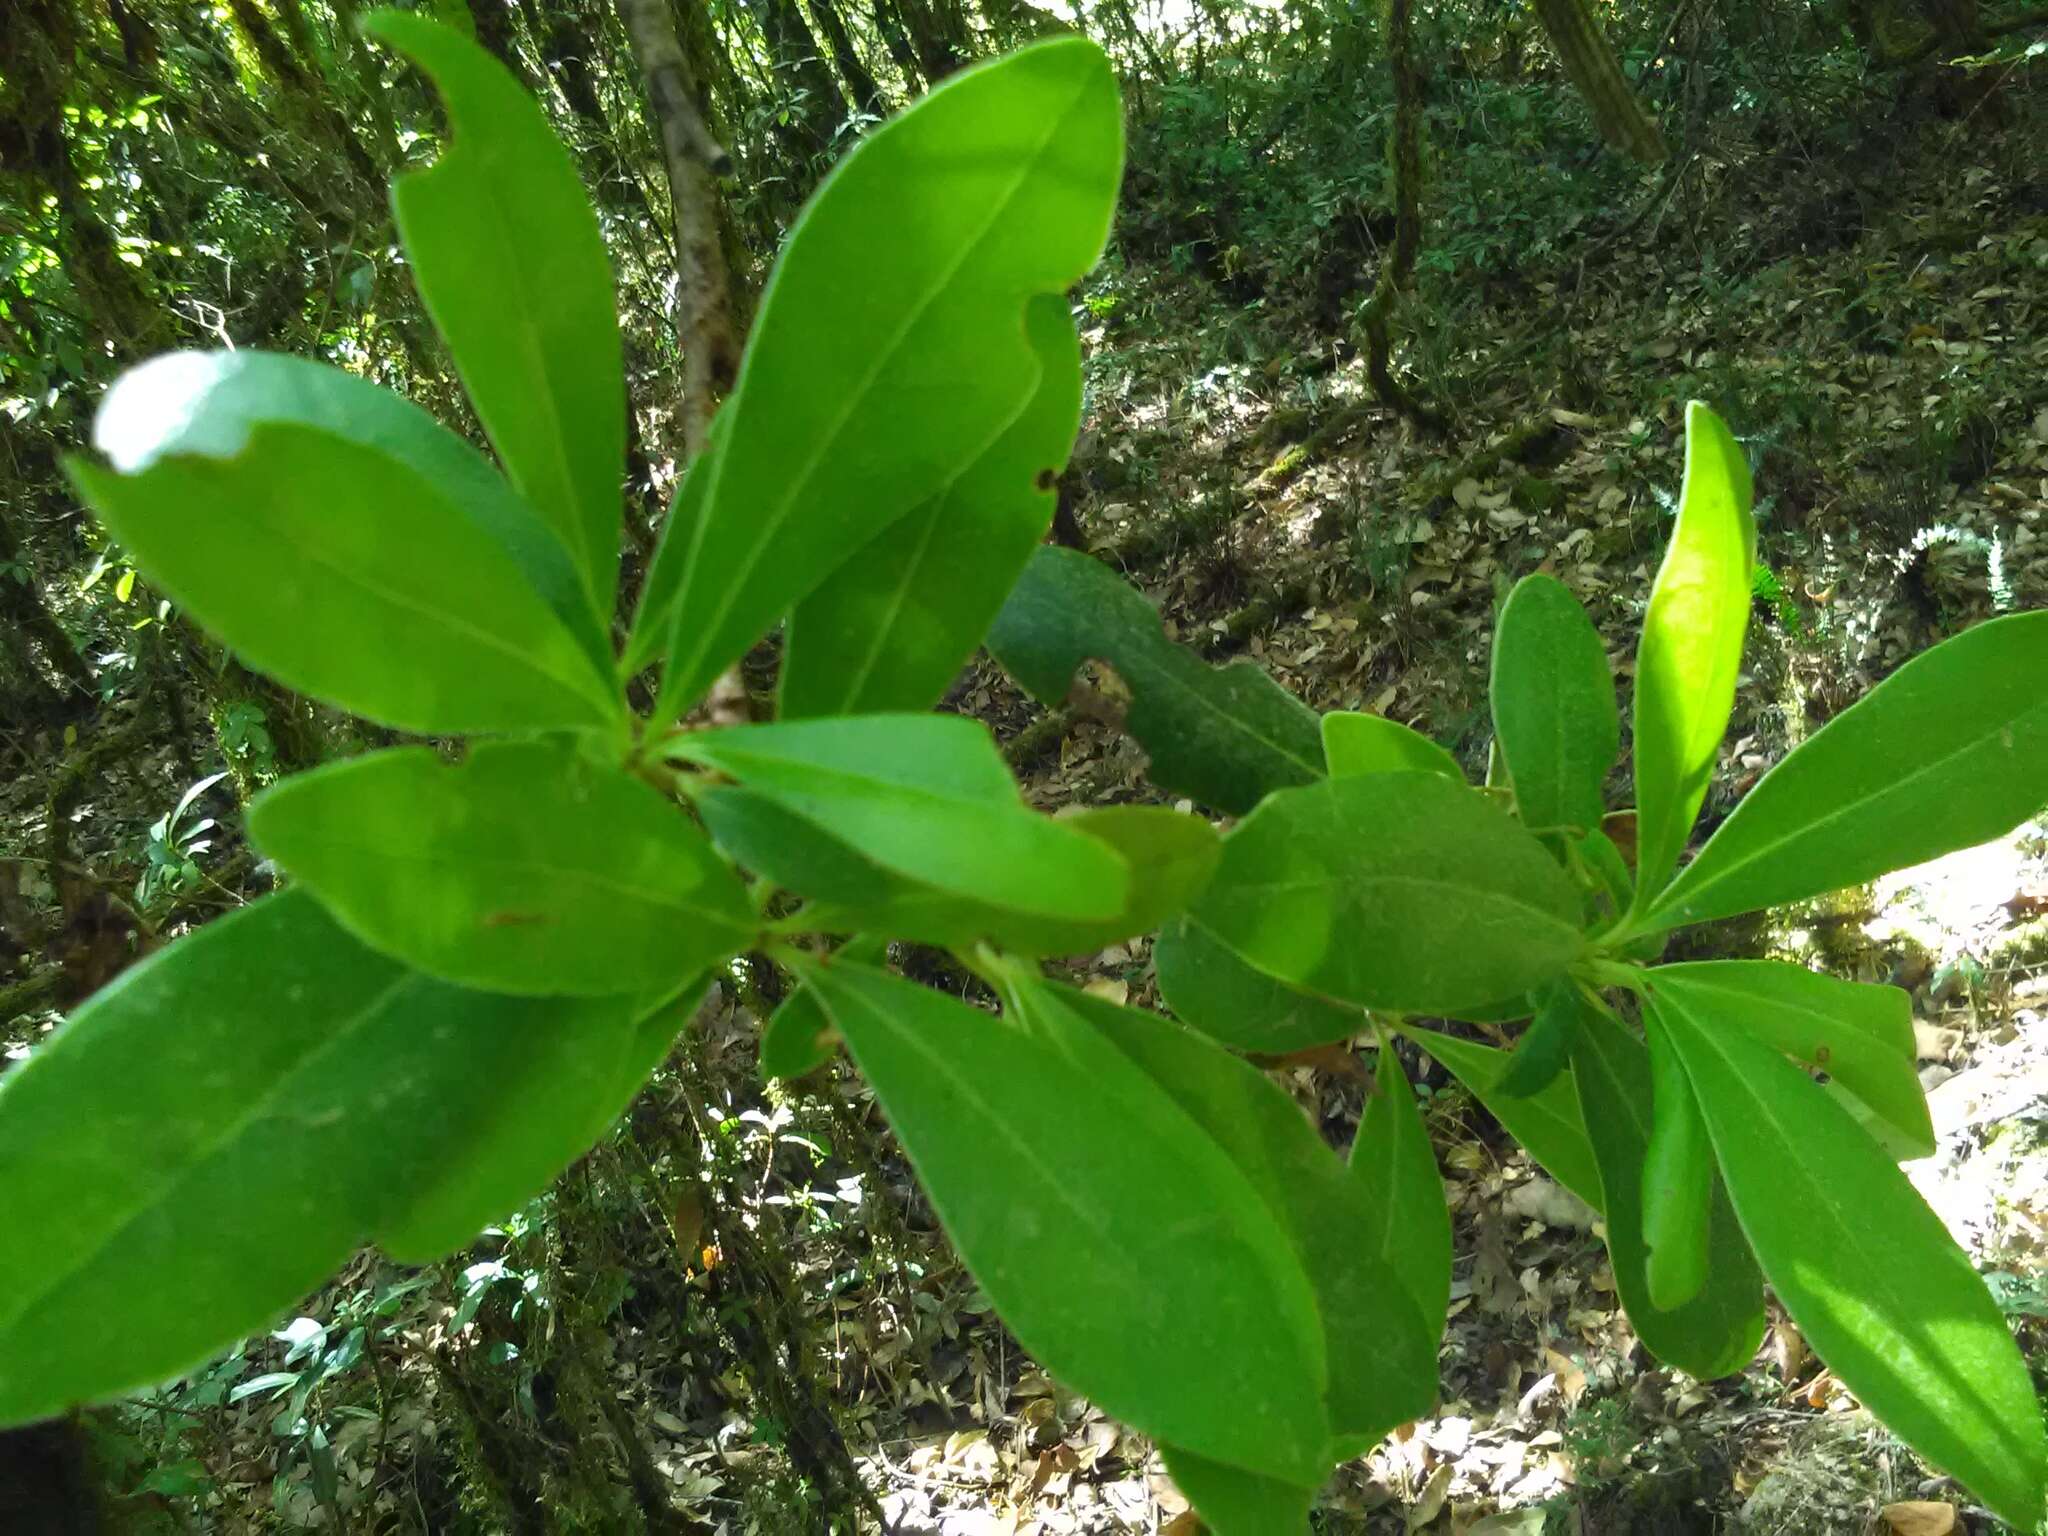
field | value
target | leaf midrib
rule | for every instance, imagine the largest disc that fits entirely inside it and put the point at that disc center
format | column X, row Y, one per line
column 1677, row 896
column 854, row 399
column 1848, row 1236
column 318, row 1046
column 594, row 879
column 313, row 554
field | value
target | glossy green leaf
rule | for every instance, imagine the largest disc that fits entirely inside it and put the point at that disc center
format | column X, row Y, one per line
column 577, row 1069
column 1716, row 1332
column 1237, row 1503
column 1393, row 1162
column 526, row 868
column 1217, row 991
column 1678, row 1180
column 1223, row 735
column 311, row 520
column 1355, row 743
column 891, row 628
column 1545, row 1048
column 1170, row 857
column 1547, row 1123
column 1949, row 751
column 1860, row 1035
column 926, row 797
column 512, row 267
column 1381, row 1321
column 890, row 349
column 1185, row 1313
column 237, row 1114
column 1866, row 1270
column 1401, row 891
column 1691, row 648
column 655, row 616
column 1553, row 706
column 797, row 1038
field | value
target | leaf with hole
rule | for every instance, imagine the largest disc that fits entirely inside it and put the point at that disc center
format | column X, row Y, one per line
column 890, row 350
column 892, row 627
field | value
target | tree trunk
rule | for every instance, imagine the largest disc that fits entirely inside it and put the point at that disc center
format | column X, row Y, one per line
column 860, row 84
column 816, row 106
column 889, row 22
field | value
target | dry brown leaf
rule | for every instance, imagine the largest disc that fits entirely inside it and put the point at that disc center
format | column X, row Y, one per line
column 1430, row 1502
column 1920, row 1517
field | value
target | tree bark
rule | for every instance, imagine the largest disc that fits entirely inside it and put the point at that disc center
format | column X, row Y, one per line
column 704, row 318
column 860, row 84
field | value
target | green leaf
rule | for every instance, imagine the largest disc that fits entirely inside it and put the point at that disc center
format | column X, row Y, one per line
column 313, row 522
column 512, row 267
column 1236, row 1503
column 794, row 1041
column 1678, row 1180
column 1358, row 743
column 1374, row 1298
column 1217, row 991
column 655, row 617
column 461, row 872
column 1691, row 649
column 1553, row 706
column 1866, row 1270
column 1546, row 1046
column 566, row 1085
column 237, row 1114
column 1400, row 891
column 890, row 350
column 926, row 797
column 1186, row 1314
column 1170, row 858
column 1949, row 751
column 1225, row 736
column 1547, row 1123
column 1717, row 1331
column 891, row 628
column 1393, row 1162
column 1860, row 1035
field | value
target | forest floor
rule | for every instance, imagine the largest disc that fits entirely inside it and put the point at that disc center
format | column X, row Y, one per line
column 1876, row 329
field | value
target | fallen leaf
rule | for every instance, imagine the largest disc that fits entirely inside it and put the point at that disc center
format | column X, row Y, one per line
column 1920, row 1517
